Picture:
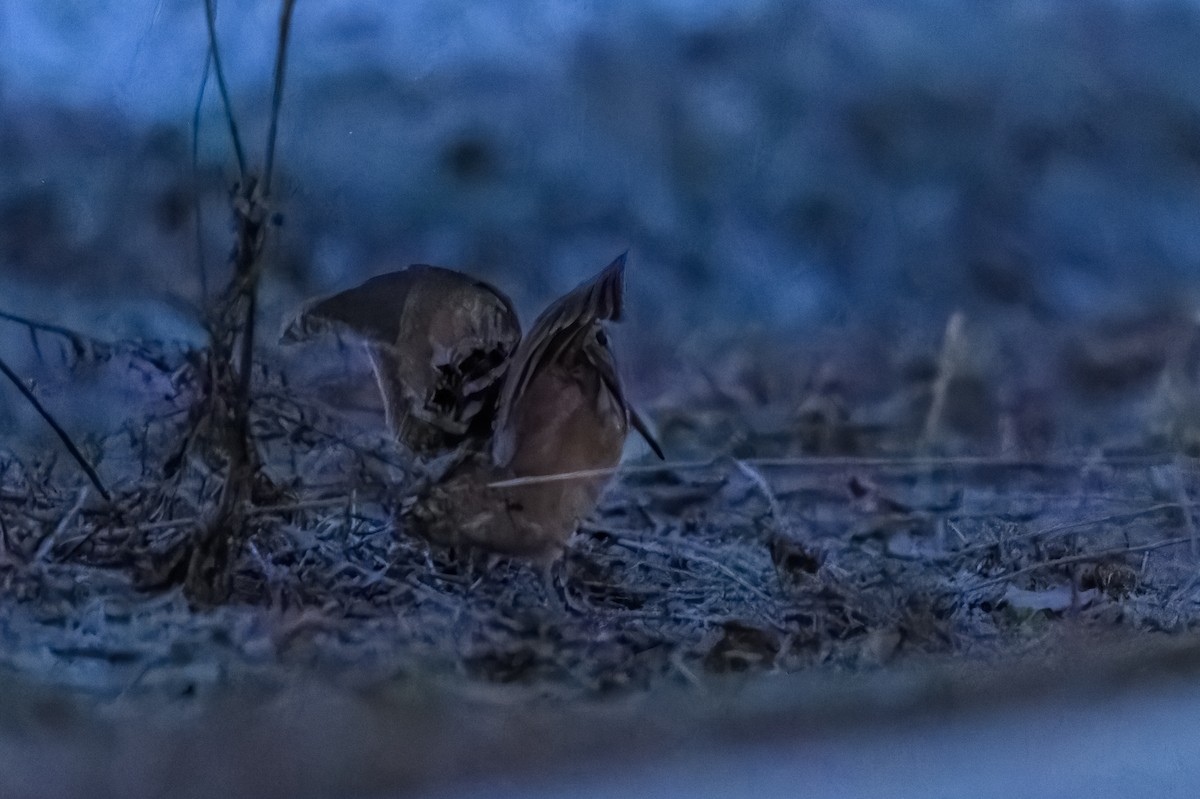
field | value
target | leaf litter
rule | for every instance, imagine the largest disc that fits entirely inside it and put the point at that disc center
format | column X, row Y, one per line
column 729, row 564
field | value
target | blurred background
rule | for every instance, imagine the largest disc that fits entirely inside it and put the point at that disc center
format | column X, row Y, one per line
column 790, row 178
column 780, row 164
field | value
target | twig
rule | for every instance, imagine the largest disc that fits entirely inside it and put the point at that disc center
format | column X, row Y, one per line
column 1080, row 558
column 1185, row 506
column 360, row 450
column 757, row 478
column 6, row 547
column 259, row 510
column 952, row 346
column 80, row 342
column 842, row 462
column 965, row 461
column 57, row 428
column 676, row 661
column 201, row 260
column 246, row 359
column 285, row 27
column 210, row 10
column 47, row 543
column 1059, row 529
column 584, row 474
column 293, row 507
column 635, row 543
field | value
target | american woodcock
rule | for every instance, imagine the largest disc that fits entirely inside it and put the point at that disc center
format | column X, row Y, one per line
column 560, row 417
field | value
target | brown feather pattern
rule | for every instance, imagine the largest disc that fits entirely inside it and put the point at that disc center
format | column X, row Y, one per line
column 550, row 404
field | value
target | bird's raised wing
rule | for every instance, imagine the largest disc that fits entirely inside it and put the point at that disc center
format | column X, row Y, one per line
column 440, row 343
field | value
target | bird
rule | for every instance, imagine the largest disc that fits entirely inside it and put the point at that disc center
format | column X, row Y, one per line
column 520, row 434
column 561, row 425
column 439, row 342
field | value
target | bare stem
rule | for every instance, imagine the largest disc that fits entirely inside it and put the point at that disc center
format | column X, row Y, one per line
column 948, row 363
column 57, row 428
column 201, row 263
column 285, row 27
column 210, row 9
column 1083, row 557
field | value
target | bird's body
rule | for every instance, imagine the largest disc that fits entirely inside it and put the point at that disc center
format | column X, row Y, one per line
column 561, row 411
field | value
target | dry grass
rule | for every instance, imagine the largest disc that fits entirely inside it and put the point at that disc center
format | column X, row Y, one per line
column 775, row 564
column 829, row 553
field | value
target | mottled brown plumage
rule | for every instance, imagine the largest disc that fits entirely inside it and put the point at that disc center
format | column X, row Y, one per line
column 558, row 410
column 439, row 342
column 562, row 410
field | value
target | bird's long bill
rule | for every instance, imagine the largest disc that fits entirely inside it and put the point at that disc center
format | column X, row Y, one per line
column 639, row 424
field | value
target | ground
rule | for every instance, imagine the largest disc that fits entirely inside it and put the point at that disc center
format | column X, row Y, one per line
column 960, row 574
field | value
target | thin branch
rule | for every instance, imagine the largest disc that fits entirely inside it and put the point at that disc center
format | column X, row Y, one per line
column 757, row 478
column 246, row 359
column 80, row 342
column 47, row 543
column 967, row 461
column 948, row 362
column 849, row 462
column 258, row 510
column 7, row 550
column 285, row 26
column 1080, row 558
column 1185, row 505
column 201, row 260
column 57, row 428
column 210, row 9
column 537, row 479
column 689, row 550
column 1058, row 530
